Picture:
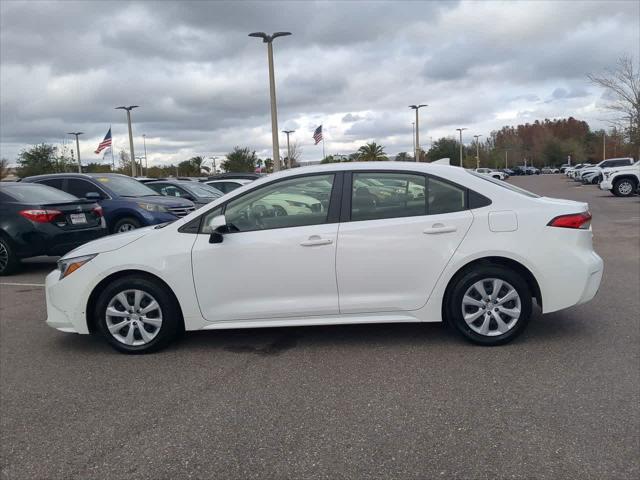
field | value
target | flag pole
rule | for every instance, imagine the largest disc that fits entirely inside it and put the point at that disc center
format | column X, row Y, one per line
column 113, row 160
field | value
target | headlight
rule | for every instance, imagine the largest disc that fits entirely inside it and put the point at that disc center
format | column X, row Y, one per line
column 152, row 207
column 69, row 265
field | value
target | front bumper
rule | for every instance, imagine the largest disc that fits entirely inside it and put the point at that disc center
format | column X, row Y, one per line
column 65, row 312
column 606, row 184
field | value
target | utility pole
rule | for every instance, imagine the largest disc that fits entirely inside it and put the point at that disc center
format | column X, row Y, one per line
column 132, row 155
column 288, row 132
column 77, row 149
column 417, row 145
column 268, row 39
column 146, row 163
column 460, row 130
column 604, row 145
column 477, row 150
column 506, row 158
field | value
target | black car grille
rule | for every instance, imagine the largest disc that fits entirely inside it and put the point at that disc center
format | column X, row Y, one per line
column 181, row 211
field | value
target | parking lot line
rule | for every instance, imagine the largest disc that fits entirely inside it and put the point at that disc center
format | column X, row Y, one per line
column 11, row 284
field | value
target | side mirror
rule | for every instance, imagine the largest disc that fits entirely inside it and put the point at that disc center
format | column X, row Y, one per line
column 92, row 196
column 216, row 225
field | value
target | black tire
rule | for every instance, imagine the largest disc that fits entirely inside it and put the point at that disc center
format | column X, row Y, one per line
column 596, row 180
column 9, row 262
column 464, row 281
column 171, row 328
column 125, row 224
column 625, row 187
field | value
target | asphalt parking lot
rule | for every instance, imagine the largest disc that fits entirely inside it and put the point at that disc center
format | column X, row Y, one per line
column 382, row 401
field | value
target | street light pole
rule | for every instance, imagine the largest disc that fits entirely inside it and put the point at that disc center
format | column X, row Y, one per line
column 604, row 145
column 477, row 150
column 268, row 39
column 506, row 158
column 132, row 155
column 146, row 162
column 417, row 146
column 460, row 130
column 413, row 134
column 77, row 149
column 288, row 132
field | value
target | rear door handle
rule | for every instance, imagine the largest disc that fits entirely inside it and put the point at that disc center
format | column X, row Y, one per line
column 315, row 240
column 439, row 228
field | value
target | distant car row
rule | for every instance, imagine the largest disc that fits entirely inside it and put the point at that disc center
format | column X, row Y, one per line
column 53, row 214
column 620, row 176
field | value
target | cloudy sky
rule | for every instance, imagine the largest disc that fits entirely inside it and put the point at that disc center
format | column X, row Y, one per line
column 354, row 67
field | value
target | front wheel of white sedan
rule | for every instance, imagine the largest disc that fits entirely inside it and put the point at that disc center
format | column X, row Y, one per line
column 490, row 305
column 137, row 315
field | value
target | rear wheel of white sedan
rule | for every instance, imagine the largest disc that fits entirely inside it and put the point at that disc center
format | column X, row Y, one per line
column 490, row 305
column 137, row 315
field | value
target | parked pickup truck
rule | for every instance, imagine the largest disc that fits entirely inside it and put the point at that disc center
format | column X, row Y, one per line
column 621, row 181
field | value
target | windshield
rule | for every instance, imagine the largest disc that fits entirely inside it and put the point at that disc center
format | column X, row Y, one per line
column 202, row 190
column 37, row 194
column 125, row 186
column 506, row 185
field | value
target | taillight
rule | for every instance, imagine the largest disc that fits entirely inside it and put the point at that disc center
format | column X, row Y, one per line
column 41, row 215
column 98, row 211
column 573, row 220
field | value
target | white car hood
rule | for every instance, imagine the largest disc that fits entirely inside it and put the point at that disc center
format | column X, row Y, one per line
column 109, row 243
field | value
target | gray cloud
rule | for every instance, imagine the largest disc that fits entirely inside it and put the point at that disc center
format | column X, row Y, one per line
column 353, row 66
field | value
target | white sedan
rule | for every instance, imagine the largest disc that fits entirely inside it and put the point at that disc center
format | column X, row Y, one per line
column 469, row 249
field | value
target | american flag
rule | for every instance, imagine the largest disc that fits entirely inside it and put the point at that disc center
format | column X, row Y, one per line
column 317, row 135
column 104, row 143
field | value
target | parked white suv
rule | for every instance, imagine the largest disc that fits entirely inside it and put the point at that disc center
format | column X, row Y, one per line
column 622, row 181
column 492, row 173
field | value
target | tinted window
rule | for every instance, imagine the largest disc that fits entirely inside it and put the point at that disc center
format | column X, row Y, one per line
column 289, row 203
column 167, row 190
column 387, row 195
column 202, row 190
column 35, row 194
column 124, row 186
column 445, row 197
column 52, row 182
column 80, row 188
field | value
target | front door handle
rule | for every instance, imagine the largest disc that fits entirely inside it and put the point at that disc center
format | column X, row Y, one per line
column 437, row 228
column 316, row 240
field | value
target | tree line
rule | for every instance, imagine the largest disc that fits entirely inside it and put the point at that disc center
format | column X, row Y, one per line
column 541, row 143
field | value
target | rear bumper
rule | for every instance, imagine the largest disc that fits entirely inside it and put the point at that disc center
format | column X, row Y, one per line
column 55, row 242
column 567, row 288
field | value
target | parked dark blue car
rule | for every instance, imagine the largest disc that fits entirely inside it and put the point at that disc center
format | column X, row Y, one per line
column 127, row 203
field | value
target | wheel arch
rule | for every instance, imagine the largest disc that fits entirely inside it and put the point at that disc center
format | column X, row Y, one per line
column 626, row 176
column 493, row 260
column 95, row 293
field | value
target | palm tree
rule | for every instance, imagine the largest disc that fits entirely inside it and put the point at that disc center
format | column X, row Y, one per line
column 371, row 152
column 197, row 164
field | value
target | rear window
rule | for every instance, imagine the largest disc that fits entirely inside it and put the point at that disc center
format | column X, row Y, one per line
column 506, row 185
column 37, row 194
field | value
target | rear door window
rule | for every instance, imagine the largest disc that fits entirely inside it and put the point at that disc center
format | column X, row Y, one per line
column 387, row 195
column 80, row 188
column 52, row 182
